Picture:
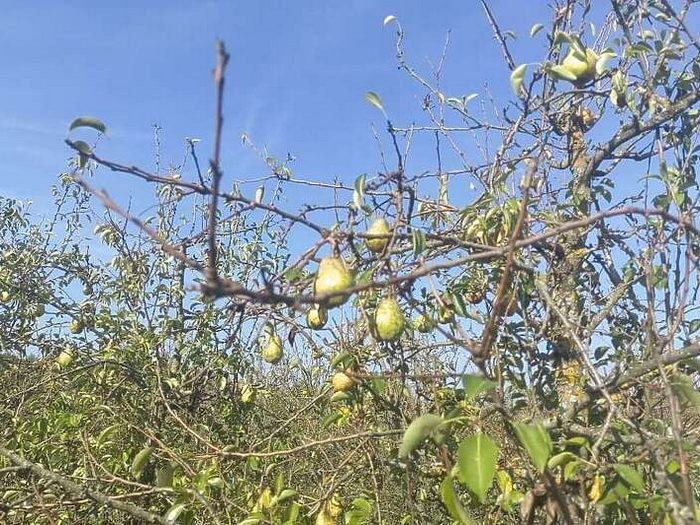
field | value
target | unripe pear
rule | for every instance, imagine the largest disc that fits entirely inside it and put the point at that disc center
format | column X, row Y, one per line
column 380, row 226
column 272, row 351
column 389, row 320
column 65, row 358
column 342, row 382
column 317, row 317
column 584, row 70
column 333, row 276
column 76, row 326
column 424, row 323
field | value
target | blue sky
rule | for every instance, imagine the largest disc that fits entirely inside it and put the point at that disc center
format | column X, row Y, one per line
column 296, row 82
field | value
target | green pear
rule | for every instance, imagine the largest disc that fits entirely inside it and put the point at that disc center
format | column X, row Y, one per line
column 76, row 326
column 272, row 351
column 389, row 320
column 317, row 317
column 65, row 358
column 380, row 226
column 333, row 276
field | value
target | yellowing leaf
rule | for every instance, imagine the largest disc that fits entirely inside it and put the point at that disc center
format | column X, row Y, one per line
column 596, row 490
column 374, row 99
column 535, row 29
column 88, row 122
column 516, row 78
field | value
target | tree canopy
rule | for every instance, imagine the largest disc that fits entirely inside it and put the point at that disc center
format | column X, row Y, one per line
column 386, row 350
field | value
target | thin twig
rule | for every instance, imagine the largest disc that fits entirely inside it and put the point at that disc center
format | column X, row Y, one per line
column 219, row 78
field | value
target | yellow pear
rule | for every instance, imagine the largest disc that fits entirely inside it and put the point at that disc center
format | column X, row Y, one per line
column 65, row 358
column 342, row 382
column 333, row 276
column 272, row 351
column 317, row 317
column 380, row 226
column 5, row 296
column 389, row 320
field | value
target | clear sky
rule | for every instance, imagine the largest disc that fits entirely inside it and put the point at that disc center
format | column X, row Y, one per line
column 297, row 78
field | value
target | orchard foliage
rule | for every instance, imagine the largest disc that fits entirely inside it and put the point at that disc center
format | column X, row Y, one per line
column 510, row 336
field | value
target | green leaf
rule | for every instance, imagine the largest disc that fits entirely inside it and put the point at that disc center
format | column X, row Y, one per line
column 341, row 359
column 560, row 38
column 174, row 512
column 477, row 463
column 630, row 476
column 358, row 196
column 453, row 505
column 360, row 184
column 475, row 384
column 84, row 152
column 561, row 459
column 374, row 99
column 216, row 482
column 106, row 434
column 164, row 476
column 286, row 495
column 259, row 194
column 535, row 29
column 88, row 122
column 293, row 514
column 602, row 62
column 561, row 73
column 516, row 78
column 251, row 521
column 417, row 432
column 335, row 416
column 577, row 46
column 339, row 397
column 361, row 504
column 536, row 441
column 139, row 461
column 360, row 512
column 577, row 441
column 293, row 274
column 682, row 386
column 418, row 238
